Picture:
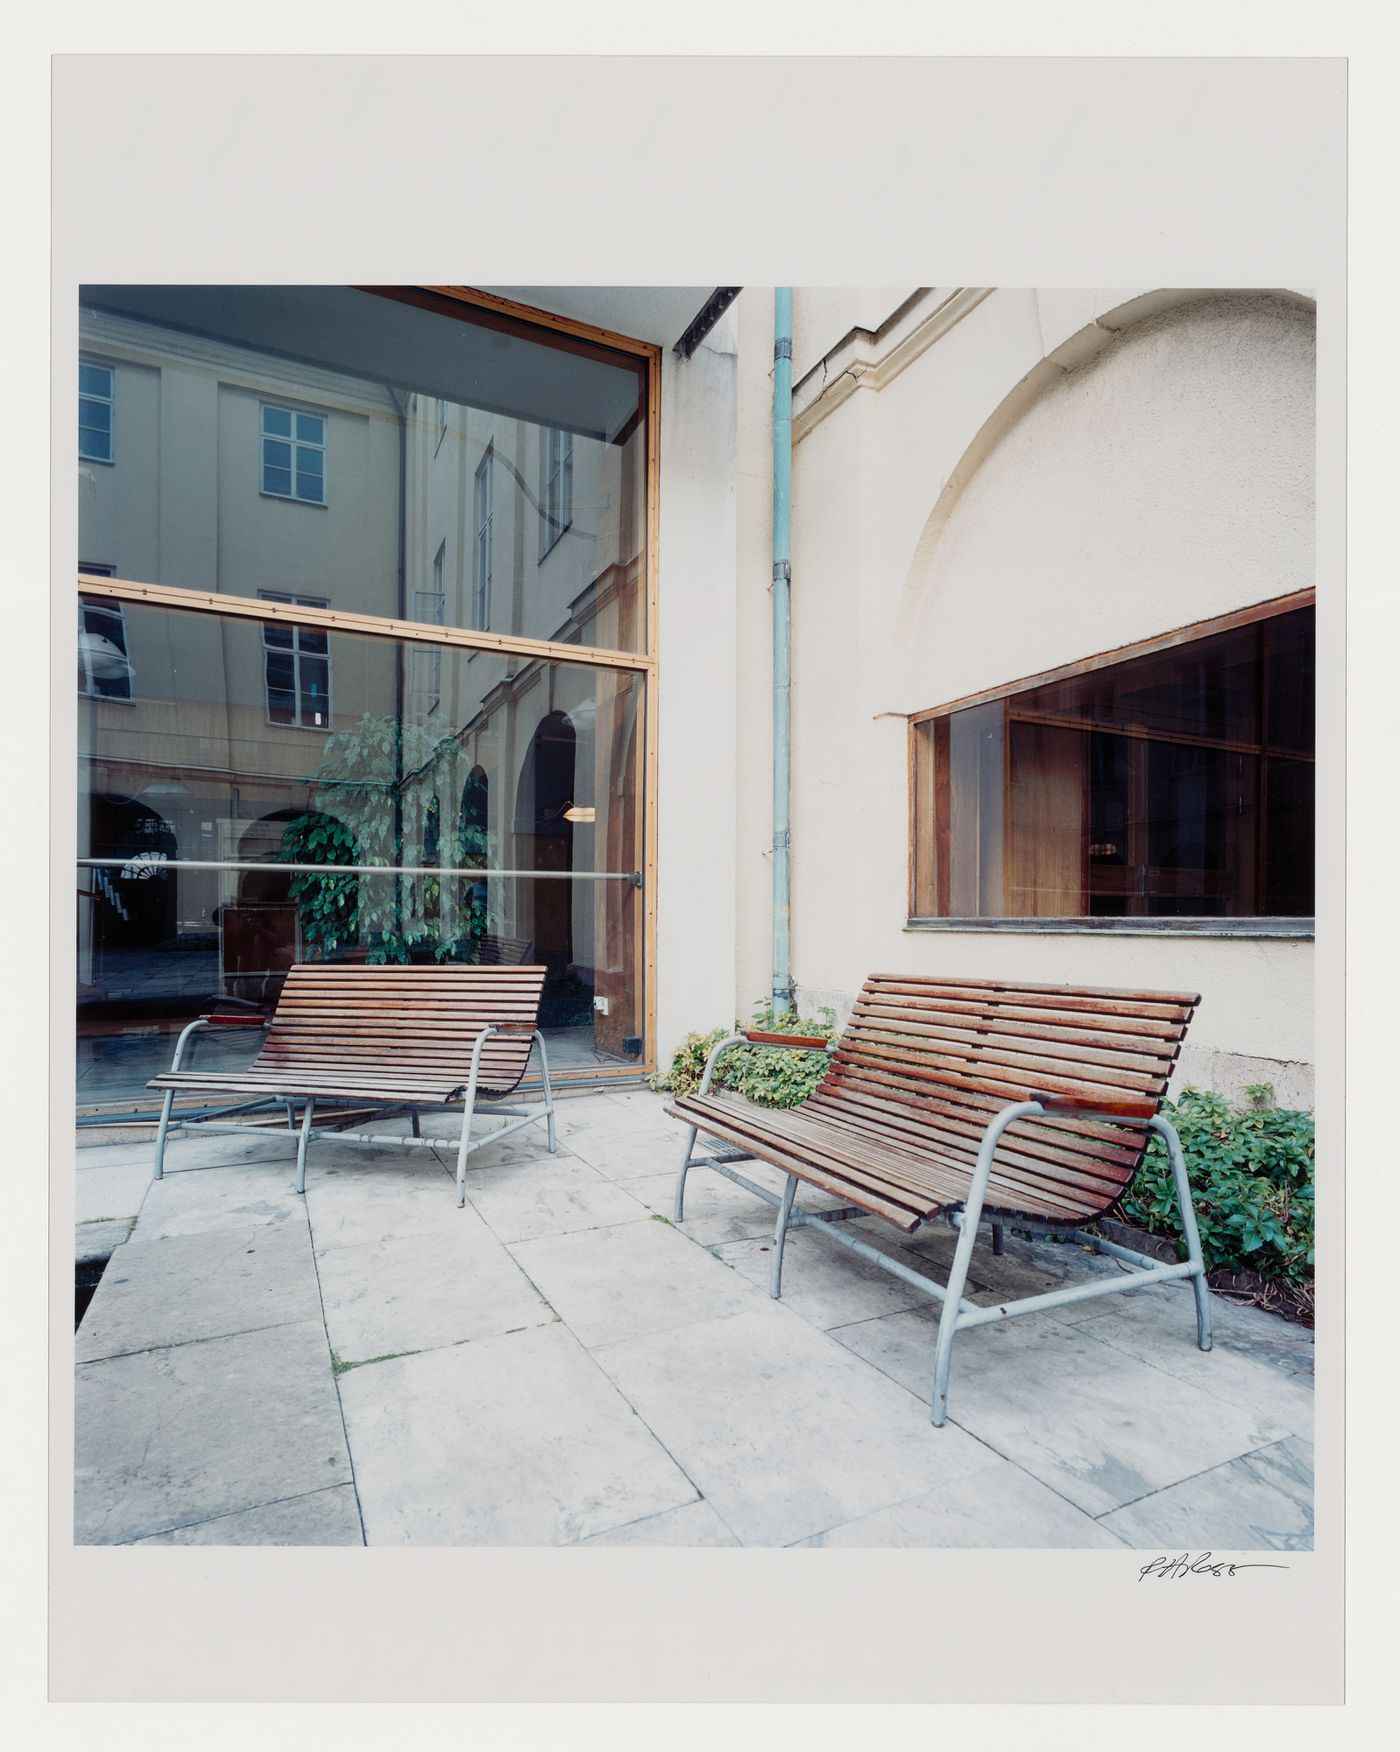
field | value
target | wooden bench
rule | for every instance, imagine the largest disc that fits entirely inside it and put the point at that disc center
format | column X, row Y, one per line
column 967, row 1099
column 405, row 1038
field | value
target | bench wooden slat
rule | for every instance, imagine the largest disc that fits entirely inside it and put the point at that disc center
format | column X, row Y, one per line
column 401, row 1034
column 925, row 1064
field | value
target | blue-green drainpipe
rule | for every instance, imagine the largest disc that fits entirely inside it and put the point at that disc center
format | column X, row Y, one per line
column 782, row 647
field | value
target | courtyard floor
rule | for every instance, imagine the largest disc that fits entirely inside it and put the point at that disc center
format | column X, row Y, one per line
column 557, row 1364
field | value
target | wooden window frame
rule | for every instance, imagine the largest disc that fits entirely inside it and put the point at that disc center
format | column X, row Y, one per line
column 930, row 788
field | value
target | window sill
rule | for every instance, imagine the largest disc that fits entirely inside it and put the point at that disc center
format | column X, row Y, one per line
column 1164, row 927
column 289, row 499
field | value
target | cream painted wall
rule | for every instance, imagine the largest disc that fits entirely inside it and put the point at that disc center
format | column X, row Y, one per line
column 1031, row 478
column 698, row 693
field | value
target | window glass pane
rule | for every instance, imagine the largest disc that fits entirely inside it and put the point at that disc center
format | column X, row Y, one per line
column 96, row 446
column 281, row 688
column 278, row 635
column 543, row 778
column 95, row 416
column 94, row 379
column 1288, row 838
column 315, row 691
column 1150, row 788
column 374, row 369
column 311, row 639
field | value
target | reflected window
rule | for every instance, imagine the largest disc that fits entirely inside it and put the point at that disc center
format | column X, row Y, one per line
column 293, row 455
column 95, row 406
column 557, row 493
column 425, row 661
column 104, row 671
column 1176, row 784
column 297, row 669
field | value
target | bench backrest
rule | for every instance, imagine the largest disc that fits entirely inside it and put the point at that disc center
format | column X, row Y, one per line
column 928, row 1062
column 405, row 1020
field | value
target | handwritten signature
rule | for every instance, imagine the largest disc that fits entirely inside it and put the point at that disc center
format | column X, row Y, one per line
column 1163, row 1569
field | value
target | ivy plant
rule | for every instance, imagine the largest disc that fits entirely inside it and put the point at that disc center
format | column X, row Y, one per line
column 1251, row 1168
column 766, row 1075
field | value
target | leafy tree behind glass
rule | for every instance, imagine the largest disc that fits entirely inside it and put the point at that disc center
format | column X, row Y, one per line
column 373, row 802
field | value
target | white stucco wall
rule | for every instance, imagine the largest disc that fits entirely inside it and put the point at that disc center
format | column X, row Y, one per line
column 698, row 686
column 1033, row 478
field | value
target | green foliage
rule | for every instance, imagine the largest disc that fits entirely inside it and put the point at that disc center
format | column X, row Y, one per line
column 1251, row 1169
column 769, row 1076
column 378, row 799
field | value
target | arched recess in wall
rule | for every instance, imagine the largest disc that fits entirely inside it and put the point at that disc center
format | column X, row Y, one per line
column 1154, row 470
column 544, row 839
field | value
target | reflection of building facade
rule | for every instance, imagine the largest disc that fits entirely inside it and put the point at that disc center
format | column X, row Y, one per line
column 226, row 468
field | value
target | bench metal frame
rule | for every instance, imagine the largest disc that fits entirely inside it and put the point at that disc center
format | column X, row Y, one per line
column 965, row 1217
column 307, row 1133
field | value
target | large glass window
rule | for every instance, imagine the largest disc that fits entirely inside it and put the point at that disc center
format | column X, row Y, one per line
column 1176, row 784
column 275, row 772
column 406, row 419
column 508, row 823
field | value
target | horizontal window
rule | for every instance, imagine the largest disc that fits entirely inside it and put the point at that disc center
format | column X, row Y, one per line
column 1176, row 784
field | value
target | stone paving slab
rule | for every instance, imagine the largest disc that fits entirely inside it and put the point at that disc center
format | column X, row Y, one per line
column 207, row 1285
column 1164, row 1334
column 629, row 1279
column 783, row 1431
column 113, row 1188
column 715, row 1209
column 219, row 1198
column 554, row 1195
column 165, row 1438
column 696, row 1524
column 322, row 1517
column 1092, row 1422
column 518, row 1440
column 1261, row 1501
column 94, row 1241
column 629, row 1154
column 1000, row 1508
column 824, row 1282
column 421, row 1291
column 354, row 1204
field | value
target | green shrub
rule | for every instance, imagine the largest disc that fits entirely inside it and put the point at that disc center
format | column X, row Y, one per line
column 767, row 1075
column 1251, row 1170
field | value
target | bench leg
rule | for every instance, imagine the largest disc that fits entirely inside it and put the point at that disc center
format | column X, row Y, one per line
column 948, row 1321
column 415, row 1128
column 962, row 1256
column 302, row 1142
column 775, row 1282
column 680, row 1178
column 161, row 1131
column 998, row 1237
column 548, row 1094
column 1167, row 1132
